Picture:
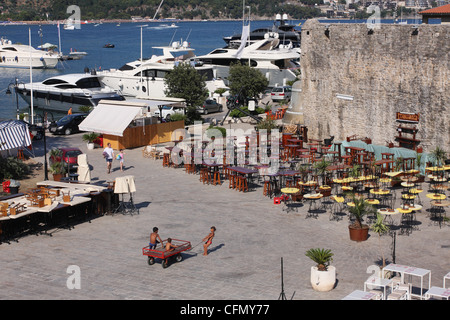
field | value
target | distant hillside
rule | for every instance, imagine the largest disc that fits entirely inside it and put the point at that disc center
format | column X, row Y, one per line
column 28, row 10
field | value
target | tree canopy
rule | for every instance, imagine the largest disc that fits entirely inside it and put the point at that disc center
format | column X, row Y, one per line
column 181, row 9
column 186, row 83
column 246, row 81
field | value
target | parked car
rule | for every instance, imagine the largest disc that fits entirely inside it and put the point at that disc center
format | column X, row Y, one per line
column 281, row 93
column 210, row 105
column 69, row 156
column 167, row 111
column 67, row 124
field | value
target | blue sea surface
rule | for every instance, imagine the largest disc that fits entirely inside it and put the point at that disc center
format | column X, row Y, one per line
column 203, row 36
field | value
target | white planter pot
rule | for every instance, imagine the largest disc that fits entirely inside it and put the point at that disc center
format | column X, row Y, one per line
column 90, row 146
column 323, row 280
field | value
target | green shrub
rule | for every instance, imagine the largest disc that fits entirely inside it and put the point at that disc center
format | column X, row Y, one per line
column 13, row 168
column 236, row 113
column 209, row 132
column 177, row 117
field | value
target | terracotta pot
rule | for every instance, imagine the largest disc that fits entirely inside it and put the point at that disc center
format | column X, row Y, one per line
column 57, row 177
column 358, row 234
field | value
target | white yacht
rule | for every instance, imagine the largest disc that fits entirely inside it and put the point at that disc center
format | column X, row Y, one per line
column 60, row 93
column 18, row 56
column 277, row 62
column 146, row 79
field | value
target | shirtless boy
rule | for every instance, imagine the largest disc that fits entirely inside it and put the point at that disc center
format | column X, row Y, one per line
column 208, row 240
column 153, row 237
column 169, row 245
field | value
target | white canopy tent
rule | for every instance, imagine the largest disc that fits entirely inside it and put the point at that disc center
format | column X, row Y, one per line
column 113, row 117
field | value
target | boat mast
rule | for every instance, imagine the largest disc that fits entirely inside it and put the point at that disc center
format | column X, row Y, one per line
column 141, row 57
column 59, row 39
column 158, row 9
column 31, row 77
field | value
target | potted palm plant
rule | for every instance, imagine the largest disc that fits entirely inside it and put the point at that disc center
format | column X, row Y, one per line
column 360, row 208
column 55, row 155
column 58, row 170
column 323, row 276
column 439, row 156
column 322, row 169
column 90, row 138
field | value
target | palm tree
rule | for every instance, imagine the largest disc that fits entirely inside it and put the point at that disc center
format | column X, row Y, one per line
column 323, row 257
column 322, row 168
column 439, row 156
column 360, row 209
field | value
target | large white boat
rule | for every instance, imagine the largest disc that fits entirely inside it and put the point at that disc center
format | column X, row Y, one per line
column 67, row 91
column 277, row 62
column 286, row 32
column 22, row 56
column 145, row 79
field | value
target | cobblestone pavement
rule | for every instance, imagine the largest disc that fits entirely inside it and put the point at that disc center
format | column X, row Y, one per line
column 252, row 236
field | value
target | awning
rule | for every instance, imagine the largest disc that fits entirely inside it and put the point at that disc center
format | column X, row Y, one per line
column 14, row 134
column 111, row 117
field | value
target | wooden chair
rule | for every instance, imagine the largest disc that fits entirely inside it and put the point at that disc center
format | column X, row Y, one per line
column 216, row 178
column 146, row 152
column 166, row 160
column 3, row 209
column 242, row 184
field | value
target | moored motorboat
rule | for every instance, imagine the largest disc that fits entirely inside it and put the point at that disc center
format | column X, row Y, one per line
column 60, row 93
column 24, row 56
column 146, row 78
column 276, row 62
column 285, row 32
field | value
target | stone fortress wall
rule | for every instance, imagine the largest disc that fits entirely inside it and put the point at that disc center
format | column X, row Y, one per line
column 354, row 81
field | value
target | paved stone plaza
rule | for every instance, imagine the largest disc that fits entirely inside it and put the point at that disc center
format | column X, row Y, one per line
column 252, row 236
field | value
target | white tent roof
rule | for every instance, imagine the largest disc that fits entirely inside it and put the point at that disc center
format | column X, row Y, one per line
column 113, row 117
column 110, row 117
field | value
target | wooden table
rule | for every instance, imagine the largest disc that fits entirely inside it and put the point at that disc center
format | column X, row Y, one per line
column 239, row 180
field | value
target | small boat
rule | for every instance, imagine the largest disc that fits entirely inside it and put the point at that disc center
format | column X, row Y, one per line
column 76, row 55
column 108, row 45
column 164, row 26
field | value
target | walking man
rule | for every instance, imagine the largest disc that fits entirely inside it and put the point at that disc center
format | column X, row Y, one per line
column 108, row 153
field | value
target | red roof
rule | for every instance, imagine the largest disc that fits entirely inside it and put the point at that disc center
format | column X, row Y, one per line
column 445, row 9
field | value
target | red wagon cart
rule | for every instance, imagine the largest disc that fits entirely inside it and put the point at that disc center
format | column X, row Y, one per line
column 164, row 255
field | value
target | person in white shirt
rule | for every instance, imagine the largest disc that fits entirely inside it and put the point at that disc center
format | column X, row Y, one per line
column 108, row 153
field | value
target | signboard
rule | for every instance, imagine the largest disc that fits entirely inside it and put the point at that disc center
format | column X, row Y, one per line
column 408, row 117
